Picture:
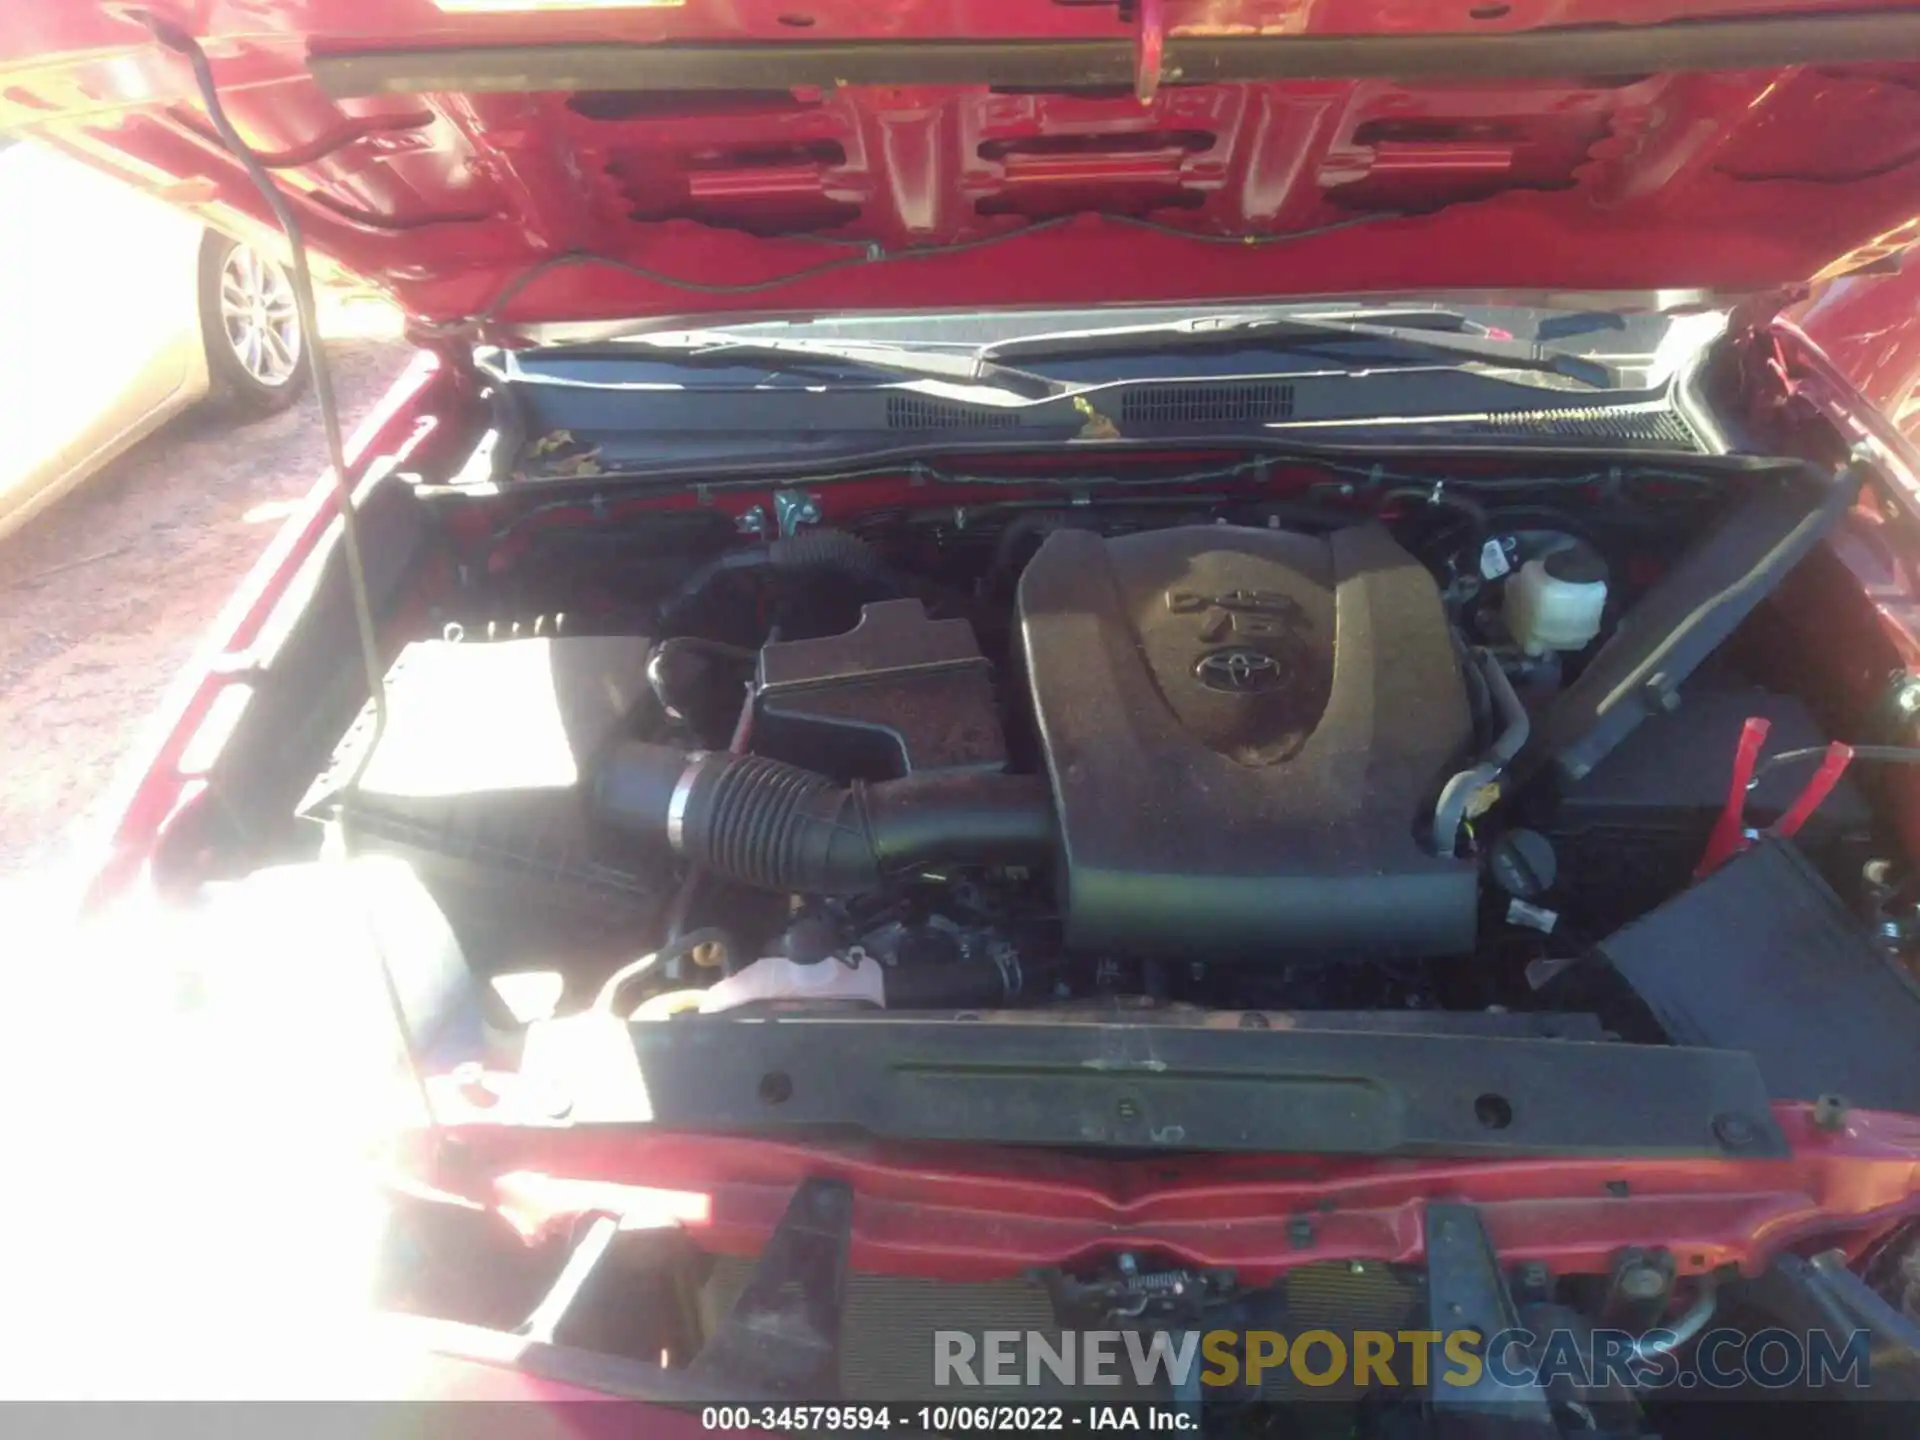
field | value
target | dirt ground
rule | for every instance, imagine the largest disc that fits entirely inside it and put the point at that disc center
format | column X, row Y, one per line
column 105, row 595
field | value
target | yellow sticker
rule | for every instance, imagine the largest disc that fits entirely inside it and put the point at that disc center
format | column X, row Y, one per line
column 1097, row 426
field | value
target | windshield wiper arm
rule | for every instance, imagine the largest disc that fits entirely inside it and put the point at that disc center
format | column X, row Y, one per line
column 1214, row 332
column 791, row 356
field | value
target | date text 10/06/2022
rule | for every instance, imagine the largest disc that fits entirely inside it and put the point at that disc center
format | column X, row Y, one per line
column 950, row 1419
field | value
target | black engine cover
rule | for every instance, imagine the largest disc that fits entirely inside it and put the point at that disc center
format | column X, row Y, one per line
column 1245, row 731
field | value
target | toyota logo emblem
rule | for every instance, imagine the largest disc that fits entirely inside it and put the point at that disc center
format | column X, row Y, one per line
column 1238, row 672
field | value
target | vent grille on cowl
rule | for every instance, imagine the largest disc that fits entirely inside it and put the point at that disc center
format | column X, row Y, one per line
column 1206, row 404
column 917, row 412
column 1658, row 426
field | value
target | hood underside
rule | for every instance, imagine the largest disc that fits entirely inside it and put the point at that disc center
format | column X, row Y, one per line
column 901, row 155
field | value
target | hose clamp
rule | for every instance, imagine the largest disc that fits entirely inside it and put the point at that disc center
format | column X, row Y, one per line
column 678, row 801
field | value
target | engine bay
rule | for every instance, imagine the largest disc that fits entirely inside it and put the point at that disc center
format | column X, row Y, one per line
column 1386, row 745
column 1456, row 828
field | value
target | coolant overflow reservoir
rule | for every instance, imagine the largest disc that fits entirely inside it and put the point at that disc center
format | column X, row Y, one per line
column 858, row 977
column 1555, row 601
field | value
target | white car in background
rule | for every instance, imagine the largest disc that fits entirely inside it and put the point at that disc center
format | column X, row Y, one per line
column 117, row 312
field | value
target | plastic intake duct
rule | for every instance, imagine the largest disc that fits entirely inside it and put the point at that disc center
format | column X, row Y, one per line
column 776, row 826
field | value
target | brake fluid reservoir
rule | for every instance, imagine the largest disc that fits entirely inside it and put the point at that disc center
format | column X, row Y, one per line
column 1555, row 602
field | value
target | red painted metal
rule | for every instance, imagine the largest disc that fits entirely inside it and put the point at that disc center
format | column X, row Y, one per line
column 1870, row 326
column 161, row 787
column 808, row 200
column 958, row 1213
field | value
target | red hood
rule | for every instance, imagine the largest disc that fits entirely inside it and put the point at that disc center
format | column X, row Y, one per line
column 902, row 154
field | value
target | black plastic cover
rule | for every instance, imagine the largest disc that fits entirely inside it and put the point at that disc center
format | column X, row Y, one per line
column 1143, row 1088
column 477, row 779
column 1762, row 956
column 899, row 694
column 1685, row 617
column 1245, row 731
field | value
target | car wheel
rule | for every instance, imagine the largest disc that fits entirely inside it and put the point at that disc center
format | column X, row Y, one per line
column 256, row 352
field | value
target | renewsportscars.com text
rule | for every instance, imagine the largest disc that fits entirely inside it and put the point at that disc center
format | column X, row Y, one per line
column 1722, row 1359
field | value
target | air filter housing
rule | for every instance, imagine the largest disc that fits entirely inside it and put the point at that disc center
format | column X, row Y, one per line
column 475, row 779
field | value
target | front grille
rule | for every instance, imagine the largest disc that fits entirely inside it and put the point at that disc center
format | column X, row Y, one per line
column 1250, row 402
column 889, row 1321
column 888, row 1325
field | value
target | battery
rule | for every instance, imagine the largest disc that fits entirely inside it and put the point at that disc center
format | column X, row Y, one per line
column 1629, row 835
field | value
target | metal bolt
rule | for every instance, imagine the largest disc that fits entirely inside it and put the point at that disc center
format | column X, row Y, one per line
column 794, row 508
column 1356, row 1267
column 1642, row 1282
column 1735, row 1132
column 1906, row 695
column 1830, row 1113
column 1128, row 1265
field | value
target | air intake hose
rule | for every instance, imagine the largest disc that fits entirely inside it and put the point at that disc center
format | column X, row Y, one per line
column 778, row 827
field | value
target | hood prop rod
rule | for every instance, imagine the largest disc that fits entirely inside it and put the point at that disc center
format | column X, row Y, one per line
column 172, row 37
column 1149, row 50
column 177, row 40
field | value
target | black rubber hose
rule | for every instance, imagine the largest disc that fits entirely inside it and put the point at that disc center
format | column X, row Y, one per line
column 812, row 551
column 681, row 666
column 1031, row 526
column 1438, row 497
column 835, row 550
column 775, row 826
